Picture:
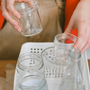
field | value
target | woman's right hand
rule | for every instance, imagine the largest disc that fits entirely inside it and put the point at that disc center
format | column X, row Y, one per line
column 7, row 7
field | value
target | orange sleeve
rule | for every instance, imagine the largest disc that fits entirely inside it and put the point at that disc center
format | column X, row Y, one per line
column 69, row 8
column 1, row 18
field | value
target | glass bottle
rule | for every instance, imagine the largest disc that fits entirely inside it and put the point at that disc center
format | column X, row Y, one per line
column 32, row 80
column 73, row 77
column 30, row 19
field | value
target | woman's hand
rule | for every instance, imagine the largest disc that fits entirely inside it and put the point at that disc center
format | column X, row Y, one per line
column 7, row 7
column 81, row 20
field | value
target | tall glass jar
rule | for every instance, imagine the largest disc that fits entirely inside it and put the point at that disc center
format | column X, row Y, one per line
column 32, row 80
column 28, row 61
column 30, row 19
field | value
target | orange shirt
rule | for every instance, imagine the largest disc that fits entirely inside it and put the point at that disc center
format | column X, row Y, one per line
column 1, row 17
column 69, row 8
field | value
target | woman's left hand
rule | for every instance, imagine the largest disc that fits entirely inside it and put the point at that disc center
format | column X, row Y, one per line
column 81, row 20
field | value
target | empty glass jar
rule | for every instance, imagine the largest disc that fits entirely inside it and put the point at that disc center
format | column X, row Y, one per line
column 54, row 70
column 30, row 19
column 32, row 80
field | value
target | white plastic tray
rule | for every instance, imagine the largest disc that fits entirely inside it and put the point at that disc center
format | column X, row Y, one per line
column 53, row 82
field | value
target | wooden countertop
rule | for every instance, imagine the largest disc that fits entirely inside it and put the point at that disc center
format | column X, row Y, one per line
column 3, row 63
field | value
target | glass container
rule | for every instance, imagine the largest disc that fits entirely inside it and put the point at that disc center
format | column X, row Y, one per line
column 30, row 22
column 54, row 69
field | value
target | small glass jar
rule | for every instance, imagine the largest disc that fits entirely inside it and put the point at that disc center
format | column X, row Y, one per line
column 32, row 80
column 63, row 43
column 30, row 19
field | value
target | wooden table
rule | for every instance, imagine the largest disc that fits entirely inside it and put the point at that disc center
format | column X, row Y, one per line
column 3, row 63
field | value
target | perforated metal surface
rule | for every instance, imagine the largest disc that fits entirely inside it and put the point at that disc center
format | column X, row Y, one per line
column 54, row 73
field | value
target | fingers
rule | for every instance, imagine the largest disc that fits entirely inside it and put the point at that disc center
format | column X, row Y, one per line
column 8, row 17
column 86, row 44
column 86, row 47
column 8, row 10
column 11, row 9
column 30, row 2
column 83, row 37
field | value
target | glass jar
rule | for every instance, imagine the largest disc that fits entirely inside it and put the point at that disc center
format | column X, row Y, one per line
column 63, row 43
column 54, row 70
column 30, row 22
column 28, row 61
column 32, row 80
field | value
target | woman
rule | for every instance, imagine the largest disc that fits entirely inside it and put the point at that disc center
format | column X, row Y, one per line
column 54, row 10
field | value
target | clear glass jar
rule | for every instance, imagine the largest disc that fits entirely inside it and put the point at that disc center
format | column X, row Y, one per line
column 28, row 61
column 54, row 70
column 63, row 43
column 30, row 19
column 32, row 80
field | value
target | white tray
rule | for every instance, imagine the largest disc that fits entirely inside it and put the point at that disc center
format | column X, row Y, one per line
column 53, row 82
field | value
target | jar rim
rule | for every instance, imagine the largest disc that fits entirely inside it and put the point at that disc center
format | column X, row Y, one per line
column 65, row 34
